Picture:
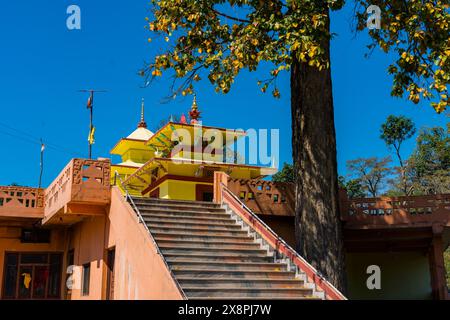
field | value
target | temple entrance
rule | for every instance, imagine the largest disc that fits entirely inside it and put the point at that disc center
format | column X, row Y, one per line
column 204, row 192
column 32, row 275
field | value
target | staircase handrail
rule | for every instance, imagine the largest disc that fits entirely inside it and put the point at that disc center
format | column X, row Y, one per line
column 318, row 279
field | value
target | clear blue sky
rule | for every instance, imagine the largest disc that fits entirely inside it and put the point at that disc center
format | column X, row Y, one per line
column 43, row 65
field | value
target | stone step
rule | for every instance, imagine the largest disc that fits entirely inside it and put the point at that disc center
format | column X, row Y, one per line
column 200, row 249
column 203, row 238
column 190, row 225
column 220, row 265
column 225, row 293
column 186, row 282
column 141, row 200
column 219, row 274
column 178, row 207
column 206, row 214
column 196, row 231
column 207, row 257
column 187, row 218
column 206, row 244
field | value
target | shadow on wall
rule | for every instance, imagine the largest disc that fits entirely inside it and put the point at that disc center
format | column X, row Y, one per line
column 404, row 275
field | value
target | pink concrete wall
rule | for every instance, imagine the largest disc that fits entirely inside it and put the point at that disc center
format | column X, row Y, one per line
column 88, row 241
column 140, row 273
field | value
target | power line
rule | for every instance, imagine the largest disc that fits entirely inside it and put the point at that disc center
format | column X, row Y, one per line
column 33, row 140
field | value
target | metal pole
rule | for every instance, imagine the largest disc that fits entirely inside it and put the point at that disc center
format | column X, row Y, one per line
column 91, row 115
column 41, row 164
column 91, row 122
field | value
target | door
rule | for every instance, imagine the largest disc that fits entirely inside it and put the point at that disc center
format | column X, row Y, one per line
column 110, row 274
column 204, row 192
column 32, row 275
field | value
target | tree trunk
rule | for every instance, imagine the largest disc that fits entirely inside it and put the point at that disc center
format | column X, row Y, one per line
column 317, row 219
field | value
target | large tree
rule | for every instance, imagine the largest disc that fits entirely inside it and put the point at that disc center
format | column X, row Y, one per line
column 222, row 37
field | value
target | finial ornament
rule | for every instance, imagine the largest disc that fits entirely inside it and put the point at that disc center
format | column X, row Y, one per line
column 194, row 114
column 142, row 123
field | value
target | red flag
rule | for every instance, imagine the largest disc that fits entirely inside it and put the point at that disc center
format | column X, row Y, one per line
column 89, row 102
column 183, row 119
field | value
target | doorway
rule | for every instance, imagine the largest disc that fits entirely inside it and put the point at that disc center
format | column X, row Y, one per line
column 32, row 275
column 204, row 192
column 111, row 256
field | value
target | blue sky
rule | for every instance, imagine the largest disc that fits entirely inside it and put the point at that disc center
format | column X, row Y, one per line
column 43, row 65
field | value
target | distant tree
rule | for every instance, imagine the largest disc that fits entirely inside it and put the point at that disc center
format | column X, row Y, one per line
column 14, row 184
column 285, row 175
column 353, row 187
column 394, row 132
column 429, row 165
column 370, row 172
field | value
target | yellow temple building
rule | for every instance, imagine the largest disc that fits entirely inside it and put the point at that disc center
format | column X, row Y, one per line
column 164, row 165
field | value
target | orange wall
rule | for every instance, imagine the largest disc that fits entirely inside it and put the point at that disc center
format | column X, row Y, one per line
column 140, row 272
column 88, row 241
column 10, row 242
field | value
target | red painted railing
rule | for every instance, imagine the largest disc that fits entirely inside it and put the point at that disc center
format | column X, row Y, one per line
column 396, row 210
column 224, row 195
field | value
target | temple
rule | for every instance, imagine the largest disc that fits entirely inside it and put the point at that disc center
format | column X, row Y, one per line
column 173, row 164
column 179, row 216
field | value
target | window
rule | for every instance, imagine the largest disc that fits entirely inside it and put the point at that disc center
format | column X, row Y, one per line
column 35, row 236
column 275, row 198
column 86, row 279
column 32, row 275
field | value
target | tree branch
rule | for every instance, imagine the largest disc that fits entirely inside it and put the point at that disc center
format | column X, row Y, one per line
column 230, row 17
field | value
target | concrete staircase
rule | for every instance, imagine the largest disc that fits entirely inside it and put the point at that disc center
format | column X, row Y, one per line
column 213, row 256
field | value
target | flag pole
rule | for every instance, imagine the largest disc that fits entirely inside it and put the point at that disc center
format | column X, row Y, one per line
column 90, row 106
column 91, row 123
column 41, row 163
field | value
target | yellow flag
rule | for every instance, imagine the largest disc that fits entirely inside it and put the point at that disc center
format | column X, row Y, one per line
column 26, row 280
column 91, row 135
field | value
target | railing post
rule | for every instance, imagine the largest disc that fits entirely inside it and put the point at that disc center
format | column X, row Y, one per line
column 220, row 179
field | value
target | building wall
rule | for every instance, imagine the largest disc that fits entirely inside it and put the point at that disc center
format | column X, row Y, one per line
column 283, row 226
column 10, row 242
column 87, row 241
column 179, row 190
column 140, row 272
column 404, row 275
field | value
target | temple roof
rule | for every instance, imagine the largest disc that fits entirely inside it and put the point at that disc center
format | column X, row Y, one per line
column 141, row 133
column 136, row 138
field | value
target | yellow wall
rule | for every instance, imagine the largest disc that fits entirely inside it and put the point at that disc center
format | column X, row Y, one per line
column 404, row 275
column 178, row 190
column 137, row 155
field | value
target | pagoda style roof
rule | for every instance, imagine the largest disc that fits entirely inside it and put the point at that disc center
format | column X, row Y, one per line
column 135, row 139
column 257, row 172
column 162, row 137
column 141, row 133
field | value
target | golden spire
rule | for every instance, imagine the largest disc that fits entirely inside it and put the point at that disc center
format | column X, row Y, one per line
column 142, row 123
column 194, row 114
